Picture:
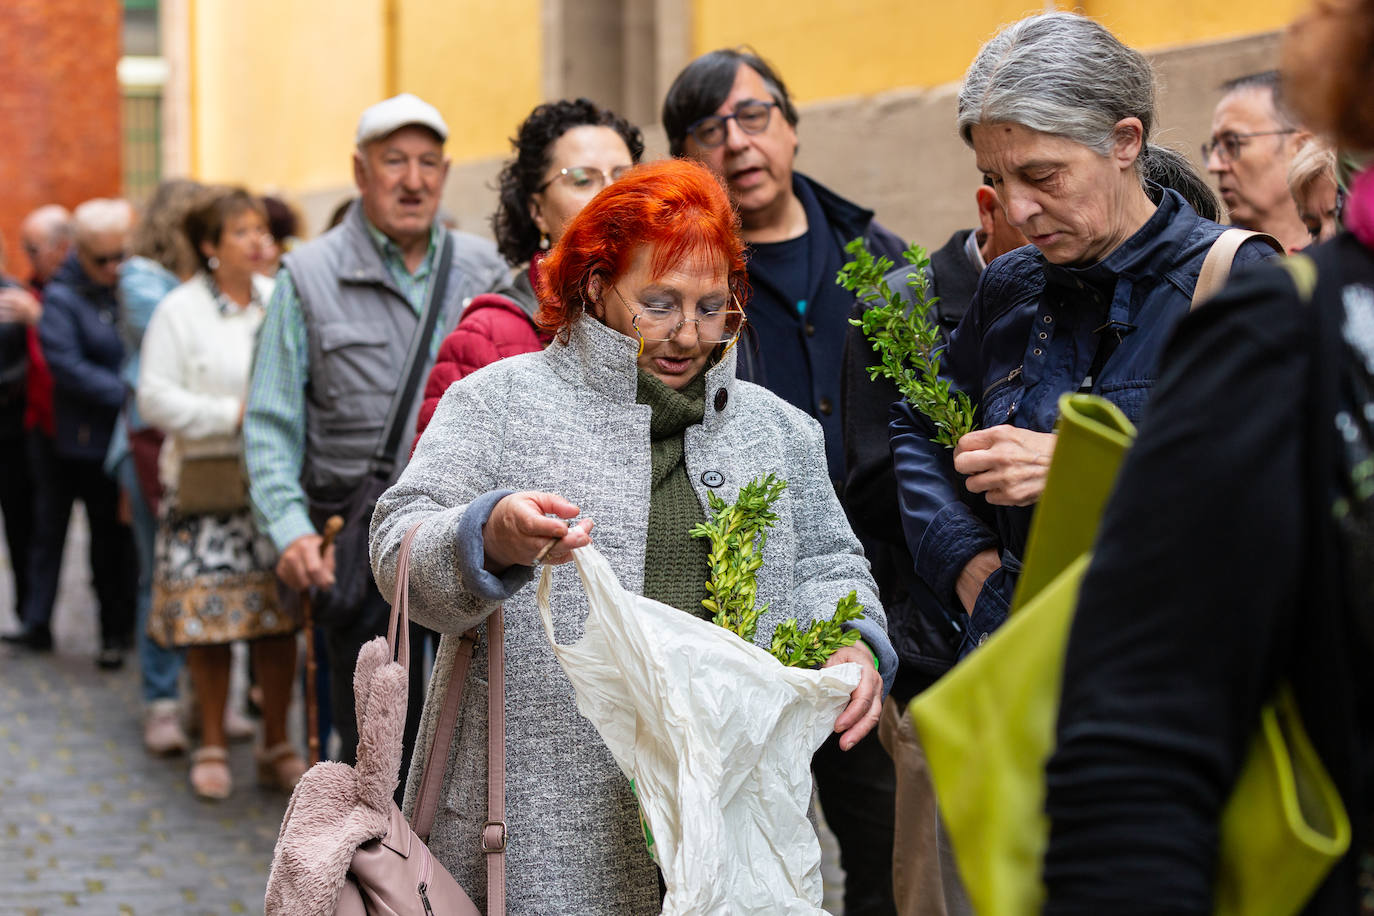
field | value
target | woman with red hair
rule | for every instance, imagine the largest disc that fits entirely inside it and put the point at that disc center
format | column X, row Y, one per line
column 630, row 418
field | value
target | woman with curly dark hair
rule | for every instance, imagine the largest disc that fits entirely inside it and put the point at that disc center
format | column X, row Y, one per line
column 565, row 152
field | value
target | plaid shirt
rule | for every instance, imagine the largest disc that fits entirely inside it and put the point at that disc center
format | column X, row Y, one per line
column 274, row 419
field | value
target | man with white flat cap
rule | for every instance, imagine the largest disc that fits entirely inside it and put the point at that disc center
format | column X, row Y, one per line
column 329, row 363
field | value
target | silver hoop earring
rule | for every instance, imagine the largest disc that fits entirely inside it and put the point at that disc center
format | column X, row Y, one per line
column 213, row 264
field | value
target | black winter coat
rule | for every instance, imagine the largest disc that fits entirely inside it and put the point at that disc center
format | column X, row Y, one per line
column 798, row 355
column 79, row 332
column 924, row 647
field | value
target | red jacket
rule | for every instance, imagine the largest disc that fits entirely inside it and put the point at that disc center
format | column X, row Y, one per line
column 493, row 327
column 38, row 412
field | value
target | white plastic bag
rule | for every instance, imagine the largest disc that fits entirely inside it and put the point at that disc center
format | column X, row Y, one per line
column 717, row 737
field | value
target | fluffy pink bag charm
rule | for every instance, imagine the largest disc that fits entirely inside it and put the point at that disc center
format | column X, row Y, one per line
column 344, row 847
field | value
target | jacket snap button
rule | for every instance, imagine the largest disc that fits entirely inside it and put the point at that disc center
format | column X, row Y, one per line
column 825, row 406
column 713, row 478
column 721, row 398
column 810, row 329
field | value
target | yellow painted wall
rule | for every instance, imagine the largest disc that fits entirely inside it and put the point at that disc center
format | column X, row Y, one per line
column 830, row 50
column 276, row 88
column 479, row 61
column 277, row 85
column 1164, row 23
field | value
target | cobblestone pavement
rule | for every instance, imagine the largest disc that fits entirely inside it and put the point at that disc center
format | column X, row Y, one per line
column 90, row 823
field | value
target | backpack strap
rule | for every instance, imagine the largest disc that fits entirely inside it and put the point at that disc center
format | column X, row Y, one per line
column 1216, row 267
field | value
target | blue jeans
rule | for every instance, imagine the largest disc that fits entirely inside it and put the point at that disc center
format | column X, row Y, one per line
column 160, row 668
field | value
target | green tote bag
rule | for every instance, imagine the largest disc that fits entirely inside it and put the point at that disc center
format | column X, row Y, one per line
column 987, row 727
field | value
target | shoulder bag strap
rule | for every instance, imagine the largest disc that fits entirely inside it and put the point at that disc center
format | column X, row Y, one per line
column 432, row 778
column 493, row 839
column 494, row 830
column 383, row 459
column 1216, row 267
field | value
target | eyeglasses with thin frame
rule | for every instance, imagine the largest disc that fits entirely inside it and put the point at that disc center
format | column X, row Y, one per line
column 660, row 323
column 114, row 257
column 586, row 179
column 751, row 115
column 1228, row 145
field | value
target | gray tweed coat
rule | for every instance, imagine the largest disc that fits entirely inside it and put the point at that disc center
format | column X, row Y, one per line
column 565, row 420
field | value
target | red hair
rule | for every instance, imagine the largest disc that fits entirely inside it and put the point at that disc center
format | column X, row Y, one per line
column 1328, row 63
column 677, row 207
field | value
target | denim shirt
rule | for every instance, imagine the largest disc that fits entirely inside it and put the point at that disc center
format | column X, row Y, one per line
column 1031, row 335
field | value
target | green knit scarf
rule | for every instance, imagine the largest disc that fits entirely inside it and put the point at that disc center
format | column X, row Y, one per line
column 676, row 565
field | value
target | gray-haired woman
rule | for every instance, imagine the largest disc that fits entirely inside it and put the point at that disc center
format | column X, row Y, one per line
column 1059, row 114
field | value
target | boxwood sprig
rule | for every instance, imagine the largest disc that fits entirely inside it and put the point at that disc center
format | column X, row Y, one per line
column 907, row 339
column 738, row 533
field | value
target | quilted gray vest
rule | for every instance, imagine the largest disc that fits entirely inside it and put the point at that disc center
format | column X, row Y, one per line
column 358, row 328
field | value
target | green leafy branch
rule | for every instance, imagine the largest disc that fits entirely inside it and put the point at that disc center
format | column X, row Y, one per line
column 907, row 339
column 738, row 534
column 811, row 647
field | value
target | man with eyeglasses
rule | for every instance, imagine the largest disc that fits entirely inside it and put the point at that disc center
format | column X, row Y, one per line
column 79, row 333
column 730, row 111
column 1252, row 144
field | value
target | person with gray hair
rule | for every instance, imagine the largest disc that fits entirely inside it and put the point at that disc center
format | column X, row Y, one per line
column 328, row 368
column 46, row 237
column 1253, row 141
column 1059, row 114
column 79, row 333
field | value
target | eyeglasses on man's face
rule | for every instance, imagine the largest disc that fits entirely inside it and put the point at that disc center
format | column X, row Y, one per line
column 1228, row 146
column 585, row 179
column 105, row 260
column 717, row 322
column 751, row 115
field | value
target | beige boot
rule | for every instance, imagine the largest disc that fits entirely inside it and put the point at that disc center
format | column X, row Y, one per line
column 162, row 734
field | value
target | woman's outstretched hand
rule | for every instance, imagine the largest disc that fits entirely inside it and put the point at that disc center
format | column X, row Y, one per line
column 520, row 531
column 866, row 700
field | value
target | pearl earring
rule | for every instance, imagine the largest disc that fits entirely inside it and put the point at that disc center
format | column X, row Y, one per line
column 543, row 241
column 213, row 264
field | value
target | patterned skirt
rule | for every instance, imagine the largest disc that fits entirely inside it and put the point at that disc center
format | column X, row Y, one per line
column 213, row 581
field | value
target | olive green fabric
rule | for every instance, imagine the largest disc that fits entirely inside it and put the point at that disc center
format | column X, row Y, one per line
column 675, row 563
column 988, row 727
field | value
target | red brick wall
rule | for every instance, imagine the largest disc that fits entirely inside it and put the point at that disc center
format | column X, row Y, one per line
column 59, row 104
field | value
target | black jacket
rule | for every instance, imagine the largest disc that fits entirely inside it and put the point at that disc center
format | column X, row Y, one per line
column 14, row 367
column 79, row 332
column 799, row 357
column 1225, row 564
column 870, row 492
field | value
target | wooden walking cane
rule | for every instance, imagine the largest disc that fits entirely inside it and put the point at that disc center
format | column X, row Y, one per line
column 312, row 703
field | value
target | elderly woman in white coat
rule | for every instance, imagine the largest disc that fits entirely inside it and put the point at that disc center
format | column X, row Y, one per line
column 213, row 581
column 628, row 420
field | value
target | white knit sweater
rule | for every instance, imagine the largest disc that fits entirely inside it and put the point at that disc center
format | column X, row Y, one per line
column 194, row 370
